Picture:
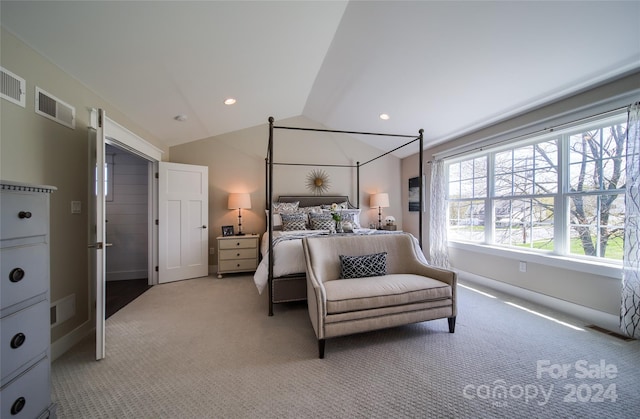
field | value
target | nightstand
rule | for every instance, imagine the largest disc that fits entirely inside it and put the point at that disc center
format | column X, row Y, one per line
column 237, row 254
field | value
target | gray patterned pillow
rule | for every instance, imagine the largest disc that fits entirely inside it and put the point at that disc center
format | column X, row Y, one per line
column 351, row 215
column 279, row 207
column 363, row 266
column 294, row 221
column 321, row 221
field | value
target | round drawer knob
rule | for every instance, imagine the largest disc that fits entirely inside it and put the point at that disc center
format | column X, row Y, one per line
column 18, row 405
column 18, row 340
column 16, row 274
column 24, row 214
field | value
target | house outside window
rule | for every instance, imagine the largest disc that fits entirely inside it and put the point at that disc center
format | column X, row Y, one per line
column 561, row 192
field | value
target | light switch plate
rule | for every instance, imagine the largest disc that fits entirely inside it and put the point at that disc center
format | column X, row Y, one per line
column 76, row 207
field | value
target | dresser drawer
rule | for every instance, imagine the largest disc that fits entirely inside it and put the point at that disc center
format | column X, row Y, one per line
column 25, row 334
column 29, row 390
column 238, row 244
column 23, row 215
column 238, row 254
column 238, row 265
column 23, row 273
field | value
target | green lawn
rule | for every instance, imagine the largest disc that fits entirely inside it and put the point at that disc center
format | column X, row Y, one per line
column 614, row 247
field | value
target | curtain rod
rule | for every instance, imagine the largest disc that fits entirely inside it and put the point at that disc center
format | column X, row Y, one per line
column 540, row 131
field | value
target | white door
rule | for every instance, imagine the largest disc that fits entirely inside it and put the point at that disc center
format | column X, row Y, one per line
column 183, row 203
column 97, row 242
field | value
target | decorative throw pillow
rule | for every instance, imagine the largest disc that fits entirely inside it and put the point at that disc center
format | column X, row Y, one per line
column 280, row 207
column 351, row 215
column 363, row 266
column 293, row 221
column 321, row 221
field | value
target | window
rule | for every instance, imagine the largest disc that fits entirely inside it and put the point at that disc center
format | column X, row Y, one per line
column 558, row 193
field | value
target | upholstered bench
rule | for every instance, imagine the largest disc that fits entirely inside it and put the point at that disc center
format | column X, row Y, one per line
column 361, row 283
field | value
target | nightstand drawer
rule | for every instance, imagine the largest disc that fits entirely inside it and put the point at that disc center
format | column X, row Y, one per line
column 228, row 254
column 24, row 335
column 238, row 265
column 238, row 244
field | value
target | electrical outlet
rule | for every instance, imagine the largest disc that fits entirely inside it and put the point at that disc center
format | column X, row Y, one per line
column 212, row 250
column 523, row 266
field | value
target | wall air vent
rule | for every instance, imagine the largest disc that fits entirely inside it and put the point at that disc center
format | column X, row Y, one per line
column 14, row 88
column 53, row 108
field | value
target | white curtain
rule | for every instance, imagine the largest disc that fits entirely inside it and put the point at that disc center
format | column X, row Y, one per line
column 630, row 309
column 438, row 221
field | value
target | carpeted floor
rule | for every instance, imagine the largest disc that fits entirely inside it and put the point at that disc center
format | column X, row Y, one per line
column 205, row 348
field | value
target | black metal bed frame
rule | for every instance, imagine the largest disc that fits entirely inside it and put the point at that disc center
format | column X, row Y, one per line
column 269, row 180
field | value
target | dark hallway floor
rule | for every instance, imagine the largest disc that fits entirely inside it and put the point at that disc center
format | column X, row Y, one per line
column 121, row 293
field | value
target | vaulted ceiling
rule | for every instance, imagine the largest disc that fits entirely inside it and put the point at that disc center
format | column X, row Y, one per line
column 449, row 67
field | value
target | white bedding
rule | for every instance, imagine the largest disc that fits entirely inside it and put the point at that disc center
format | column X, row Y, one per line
column 289, row 256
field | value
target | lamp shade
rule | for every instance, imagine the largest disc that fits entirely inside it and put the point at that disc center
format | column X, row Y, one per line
column 379, row 200
column 239, row 200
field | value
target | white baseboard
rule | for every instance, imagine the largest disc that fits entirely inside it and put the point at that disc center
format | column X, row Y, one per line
column 66, row 342
column 588, row 315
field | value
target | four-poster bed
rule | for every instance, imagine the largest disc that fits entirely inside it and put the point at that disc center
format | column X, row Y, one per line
column 286, row 287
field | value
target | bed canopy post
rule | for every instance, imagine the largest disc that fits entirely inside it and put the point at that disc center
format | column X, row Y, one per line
column 358, row 184
column 420, row 176
column 269, row 189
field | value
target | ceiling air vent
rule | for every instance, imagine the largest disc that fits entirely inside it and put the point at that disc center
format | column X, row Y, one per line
column 14, row 88
column 53, row 108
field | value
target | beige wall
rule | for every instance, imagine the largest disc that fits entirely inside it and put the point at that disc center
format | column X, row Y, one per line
column 37, row 150
column 594, row 291
column 236, row 163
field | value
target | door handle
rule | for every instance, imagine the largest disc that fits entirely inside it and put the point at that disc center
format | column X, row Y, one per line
column 204, row 227
column 99, row 245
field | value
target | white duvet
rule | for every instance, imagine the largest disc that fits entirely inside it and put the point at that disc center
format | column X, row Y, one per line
column 289, row 256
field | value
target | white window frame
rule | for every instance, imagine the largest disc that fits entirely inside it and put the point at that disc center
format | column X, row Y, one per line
column 560, row 257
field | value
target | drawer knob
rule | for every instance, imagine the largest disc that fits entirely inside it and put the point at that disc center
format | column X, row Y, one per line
column 237, row 254
column 24, row 214
column 16, row 275
column 18, row 405
column 18, row 340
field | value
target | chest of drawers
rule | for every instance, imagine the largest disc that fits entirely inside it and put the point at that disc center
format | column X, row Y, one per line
column 237, row 254
column 25, row 357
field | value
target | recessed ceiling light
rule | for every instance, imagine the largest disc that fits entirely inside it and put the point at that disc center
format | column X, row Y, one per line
column 384, row 116
column 229, row 101
column 180, row 118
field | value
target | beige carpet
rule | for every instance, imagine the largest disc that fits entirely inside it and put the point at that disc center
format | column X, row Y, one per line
column 205, row 348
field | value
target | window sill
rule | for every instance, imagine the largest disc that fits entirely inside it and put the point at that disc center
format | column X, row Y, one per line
column 608, row 269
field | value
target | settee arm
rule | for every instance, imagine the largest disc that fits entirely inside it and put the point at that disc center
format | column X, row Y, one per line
column 316, row 297
column 444, row 275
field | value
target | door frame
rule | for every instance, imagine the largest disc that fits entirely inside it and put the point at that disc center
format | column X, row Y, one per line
column 117, row 135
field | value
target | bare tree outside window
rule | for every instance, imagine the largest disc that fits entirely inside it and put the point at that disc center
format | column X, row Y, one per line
column 532, row 187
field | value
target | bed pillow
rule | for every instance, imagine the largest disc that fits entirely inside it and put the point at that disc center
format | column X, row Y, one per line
column 321, row 221
column 294, row 221
column 351, row 215
column 363, row 266
column 280, row 207
column 277, row 220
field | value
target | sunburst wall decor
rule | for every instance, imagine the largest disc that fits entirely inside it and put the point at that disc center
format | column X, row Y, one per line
column 318, row 182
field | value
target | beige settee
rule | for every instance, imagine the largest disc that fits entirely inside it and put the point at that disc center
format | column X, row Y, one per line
column 409, row 291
